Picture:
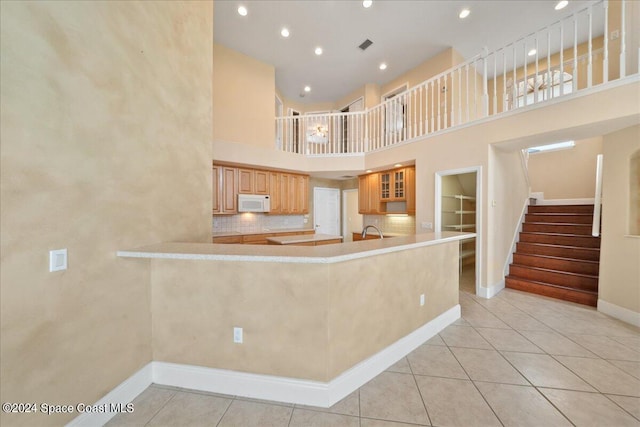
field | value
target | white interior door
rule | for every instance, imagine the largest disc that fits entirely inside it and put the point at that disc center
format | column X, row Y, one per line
column 352, row 220
column 326, row 210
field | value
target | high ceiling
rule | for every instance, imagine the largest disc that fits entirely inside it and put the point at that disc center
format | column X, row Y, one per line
column 404, row 34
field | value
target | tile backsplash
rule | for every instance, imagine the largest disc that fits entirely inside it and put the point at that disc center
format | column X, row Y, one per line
column 392, row 224
column 249, row 222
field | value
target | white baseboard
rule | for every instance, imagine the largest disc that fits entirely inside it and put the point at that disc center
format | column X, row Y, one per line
column 267, row 387
column 624, row 314
column 587, row 201
column 491, row 291
column 123, row 394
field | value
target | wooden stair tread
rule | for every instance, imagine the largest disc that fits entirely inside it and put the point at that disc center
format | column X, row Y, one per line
column 588, row 276
column 556, row 255
column 559, row 258
column 535, row 282
column 558, row 234
column 559, row 223
column 550, row 245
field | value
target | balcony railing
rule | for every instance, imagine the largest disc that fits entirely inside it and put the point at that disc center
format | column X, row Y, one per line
column 567, row 56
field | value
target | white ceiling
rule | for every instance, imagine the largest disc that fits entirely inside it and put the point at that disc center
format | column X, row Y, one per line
column 404, row 34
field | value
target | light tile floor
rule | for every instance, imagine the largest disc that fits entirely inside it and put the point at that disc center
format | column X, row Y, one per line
column 514, row 360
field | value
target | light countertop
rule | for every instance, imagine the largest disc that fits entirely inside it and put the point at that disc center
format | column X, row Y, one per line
column 324, row 254
column 291, row 240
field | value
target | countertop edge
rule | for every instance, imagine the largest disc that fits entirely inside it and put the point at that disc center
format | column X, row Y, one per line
column 150, row 254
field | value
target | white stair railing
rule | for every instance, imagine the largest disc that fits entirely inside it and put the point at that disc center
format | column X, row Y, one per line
column 564, row 57
column 595, row 228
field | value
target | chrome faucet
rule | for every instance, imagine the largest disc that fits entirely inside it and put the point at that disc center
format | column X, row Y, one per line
column 364, row 231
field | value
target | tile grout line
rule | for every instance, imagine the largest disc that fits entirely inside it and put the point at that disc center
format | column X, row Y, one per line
column 525, row 377
column 578, row 376
column 424, row 404
column 473, row 382
column 161, row 408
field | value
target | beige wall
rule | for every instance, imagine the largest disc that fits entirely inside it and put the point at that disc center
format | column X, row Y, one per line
column 106, row 144
column 619, row 254
column 243, row 92
column 429, row 68
column 509, row 190
column 566, row 174
column 309, row 321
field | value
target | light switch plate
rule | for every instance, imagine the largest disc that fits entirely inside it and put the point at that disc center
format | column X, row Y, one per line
column 57, row 260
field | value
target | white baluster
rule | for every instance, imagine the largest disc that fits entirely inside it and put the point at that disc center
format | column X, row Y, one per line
column 623, row 36
column 605, row 60
column 514, row 88
column 590, row 55
column 505, row 100
column 526, row 79
column 535, row 78
column 468, row 104
column 575, row 53
column 495, row 84
column 549, row 73
column 460, row 94
column 561, row 57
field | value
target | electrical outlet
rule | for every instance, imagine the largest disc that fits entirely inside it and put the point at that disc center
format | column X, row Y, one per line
column 421, row 300
column 237, row 335
column 615, row 35
column 427, row 225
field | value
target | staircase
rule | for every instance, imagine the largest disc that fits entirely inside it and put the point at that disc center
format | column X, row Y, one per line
column 556, row 255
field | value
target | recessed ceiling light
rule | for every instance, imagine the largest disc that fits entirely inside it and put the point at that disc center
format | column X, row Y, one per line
column 561, row 5
column 369, row 171
column 284, row 32
column 383, row 66
column 464, row 13
column 242, row 11
column 307, row 89
column 318, row 50
column 397, row 165
column 532, row 52
column 367, row 3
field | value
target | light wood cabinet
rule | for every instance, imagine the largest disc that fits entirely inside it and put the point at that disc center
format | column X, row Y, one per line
column 225, row 200
column 395, row 186
column 392, row 186
column 253, row 181
column 228, row 239
column 368, row 194
column 245, row 181
column 261, row 182
column 289, row 192
column 303, row 194
column 411, row 190
column 229, row 202
column 274, row 192
column 257, row 239
column 217, row 180
column 285, row 199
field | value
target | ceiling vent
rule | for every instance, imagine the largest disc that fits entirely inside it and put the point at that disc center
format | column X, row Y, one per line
column 365, row 44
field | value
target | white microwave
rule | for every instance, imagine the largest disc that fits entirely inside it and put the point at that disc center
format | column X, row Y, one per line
column 253, row 203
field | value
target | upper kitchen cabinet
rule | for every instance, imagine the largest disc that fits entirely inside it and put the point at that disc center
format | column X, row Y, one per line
column 393, row 185
column 252, row 181
column 225, row 190
column 288, row 192
column 368, row 193
column 390, row 191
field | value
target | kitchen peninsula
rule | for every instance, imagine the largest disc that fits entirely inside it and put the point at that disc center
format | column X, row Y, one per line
column 318, row 321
